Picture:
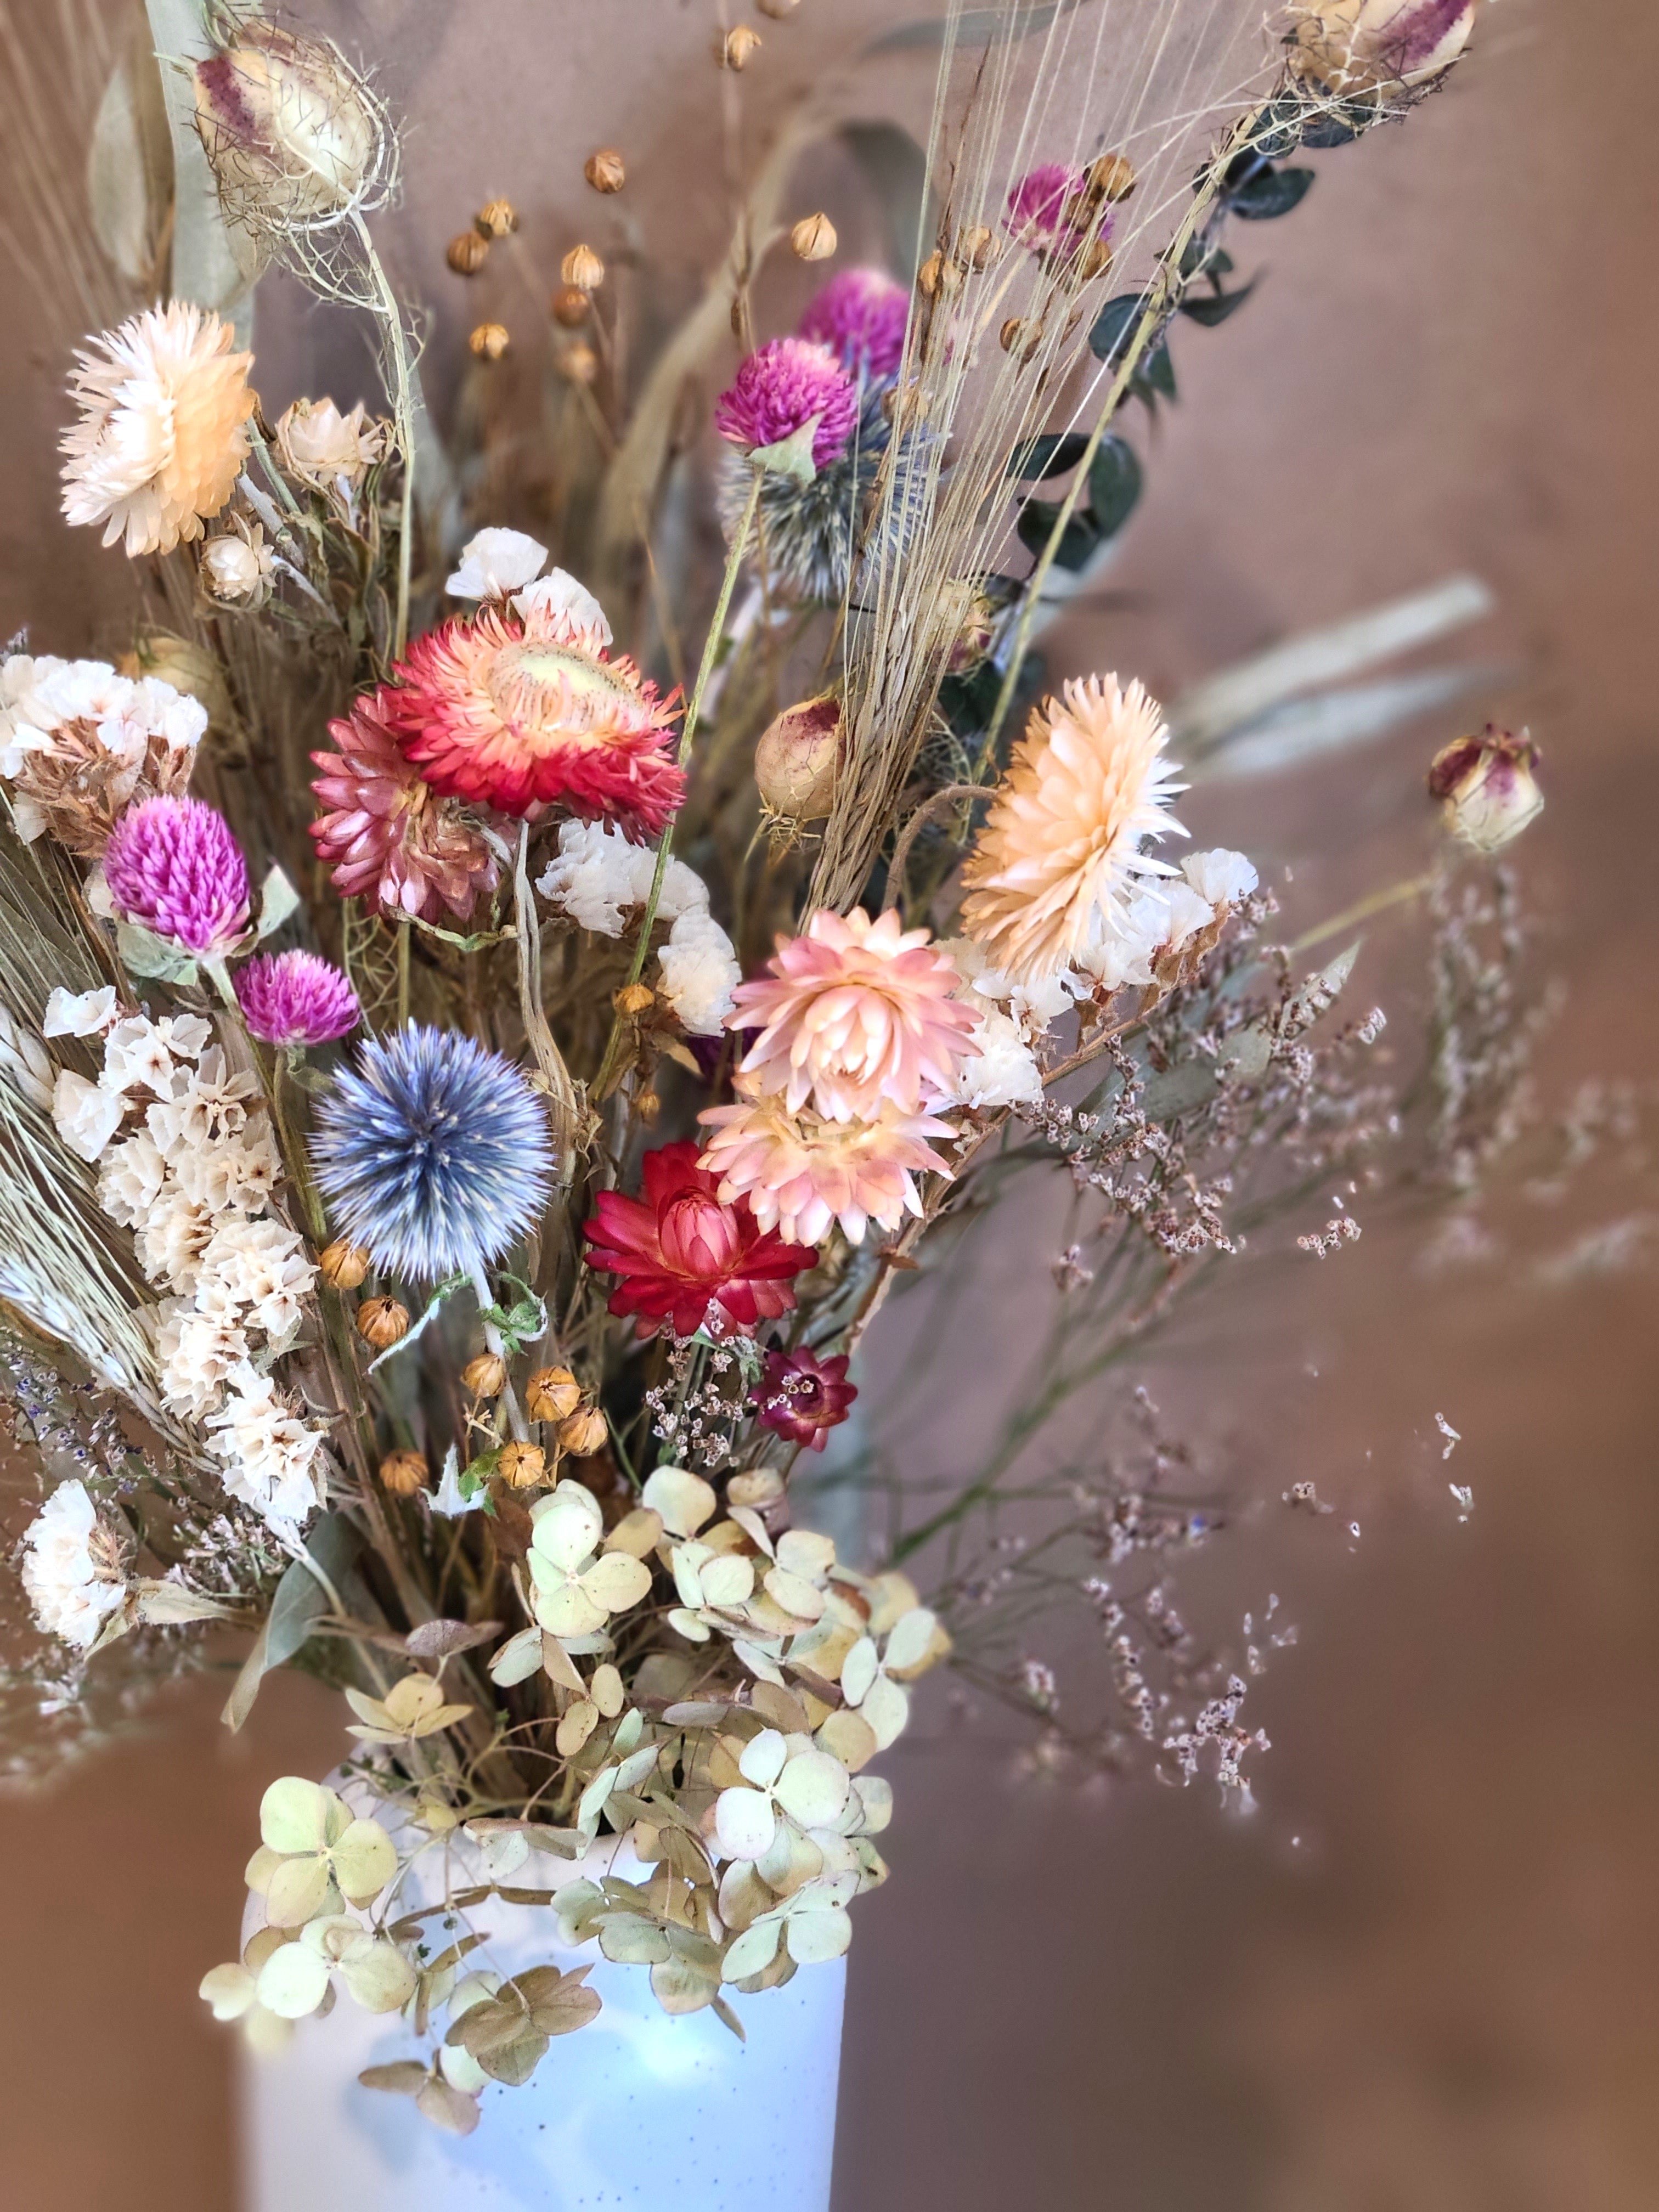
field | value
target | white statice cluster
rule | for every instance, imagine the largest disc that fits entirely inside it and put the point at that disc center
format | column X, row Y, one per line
column 598, row 878
column 77, row 723
column 506, row 564
column 187, row 1160
column 72, row 1568
column 1125, row 947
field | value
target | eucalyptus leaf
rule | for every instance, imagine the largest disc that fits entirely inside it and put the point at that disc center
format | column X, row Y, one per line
column 1211, row 311
column 129, row 164
column 1114, row 484
column 141, row 952
column 277, row 900
column 1048, row 455
column 299, row 1604
column 1115, row 325
column 1080, row 541
column 1264, row 193
column 212, row 265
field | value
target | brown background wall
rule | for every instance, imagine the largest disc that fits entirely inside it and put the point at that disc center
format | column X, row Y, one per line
column 1422, row 1978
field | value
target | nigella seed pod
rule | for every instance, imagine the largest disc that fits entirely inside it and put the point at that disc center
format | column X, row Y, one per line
column 1487, row 787
column 496, row 219
column 734, row 50
column 486, row 1375
column 552, row 1394
column 578, row 364
column 343, row 1265
column 1113, row 176
column 404, row 1473
column 382, row 1322
column 466, row 252
column 584, row 1433
column 797, row 759
column 813, row 239
column 490, row 340
column 582, row 268
column 571, row 306
column 294, row 137
column 521, row 1467
column 605, row 170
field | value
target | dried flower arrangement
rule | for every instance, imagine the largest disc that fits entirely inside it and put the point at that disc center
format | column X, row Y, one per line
column 466, row 1091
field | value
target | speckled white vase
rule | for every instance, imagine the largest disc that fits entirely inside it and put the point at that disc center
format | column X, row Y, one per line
column 639, row 2112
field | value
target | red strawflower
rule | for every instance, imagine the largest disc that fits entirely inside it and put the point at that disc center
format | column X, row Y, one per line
column 803, row 1397
column 525, row 711
column 686, row 1258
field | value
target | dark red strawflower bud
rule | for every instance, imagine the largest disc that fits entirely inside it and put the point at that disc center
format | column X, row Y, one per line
column 687, row 1259
column 803, row 1397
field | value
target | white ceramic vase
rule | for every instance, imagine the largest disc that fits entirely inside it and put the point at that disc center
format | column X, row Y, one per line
column 639, row 2112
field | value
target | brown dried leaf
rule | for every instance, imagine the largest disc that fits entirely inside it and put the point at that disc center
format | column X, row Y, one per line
column 441, row 1639
column 447, row 2107
column 403, row 2077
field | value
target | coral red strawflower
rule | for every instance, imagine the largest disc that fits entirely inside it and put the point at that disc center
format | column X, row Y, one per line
column 687, row 1259
column 803, row 1397
column 523, row 710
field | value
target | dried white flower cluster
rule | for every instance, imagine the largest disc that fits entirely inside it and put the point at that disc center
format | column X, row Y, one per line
column 187, row 1159
column 72, row 1569
column 79, row 743
column 599, row 875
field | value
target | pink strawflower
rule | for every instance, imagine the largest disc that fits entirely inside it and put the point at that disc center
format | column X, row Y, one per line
column 521, row 711
column 855, row 1014
column 295, row 998
column 173, row 865
column 386, row 836
column 800, row 1172
column 860, row 315
column 801, row 1397
column 1043, row 209
column 780, row 389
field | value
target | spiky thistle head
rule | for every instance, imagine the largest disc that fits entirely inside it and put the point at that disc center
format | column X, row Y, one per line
column 433, row 1153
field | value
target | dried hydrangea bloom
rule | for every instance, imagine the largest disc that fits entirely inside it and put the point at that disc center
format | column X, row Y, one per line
column 174, row 865
column 385, row 834
column 520, row 712
column 1351, row 46
column 854, row 1014
column 801, row 1397
column 801, row 1174
column 685, row 1257
column 291, row 999
column 72, row 1567
column 78, row 743
column 162, row 433
column 779, row 390
column 1057, row 859
column 860, row 315
column 329, row 451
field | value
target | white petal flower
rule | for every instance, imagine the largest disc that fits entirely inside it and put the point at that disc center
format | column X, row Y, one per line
column 1187, row 913
column 1120, row 953
column 260, row 1266
column 558, row 595
column 272, row 1460
column 71, row 1568
column 198, row 1353
column 170, row 1240
column 1003, row 1070
column 598, row 874
column 495, row 562
column 700, row 973
column 1221, row 877
column 85, row 1013
column 86, row 1117
column 130, row 1180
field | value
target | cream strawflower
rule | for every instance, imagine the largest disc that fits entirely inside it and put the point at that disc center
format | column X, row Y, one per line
column 327, row 450
column 72, row 1569
column 162, row 435
column 854, row 1015
column 801, row 1172
column 1060, row 848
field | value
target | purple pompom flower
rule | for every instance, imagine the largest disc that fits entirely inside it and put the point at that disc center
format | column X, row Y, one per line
column 782, row 388
column 296, row 999
column 1043, row 209
column 860, row 315
column 173, row 865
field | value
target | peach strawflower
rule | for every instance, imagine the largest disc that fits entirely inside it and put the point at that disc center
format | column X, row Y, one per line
column 800, row 1172
column 163, row 436
column 853, row 1013
column 521, row 710
column 1059, row 853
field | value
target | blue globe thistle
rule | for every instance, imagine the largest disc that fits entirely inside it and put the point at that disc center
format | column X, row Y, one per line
column 433, row 1152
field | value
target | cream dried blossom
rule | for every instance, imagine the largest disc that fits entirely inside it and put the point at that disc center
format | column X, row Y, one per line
column 854, row 1016
column 206, row 1104
column 131, row 1180
column 85, row 1116
column 237, row 568
column 327, row 450
column 1114, row 956
column 238, row 1173
column 142, row 1055
column 165, row 402
column 171, row 1239
column 1001, row 1070
column 80, row 1014
column 272, row 1460
column 801, row 1172
column 73, row 1567
column 198, row 1353
column 1220, row 877
column 1059, row 856
column 260, row 1268
column 79, row 743
column 700, row 973
column 598, row 875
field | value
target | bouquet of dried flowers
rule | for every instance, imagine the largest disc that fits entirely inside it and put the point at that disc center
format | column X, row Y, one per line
column 466, row 1089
